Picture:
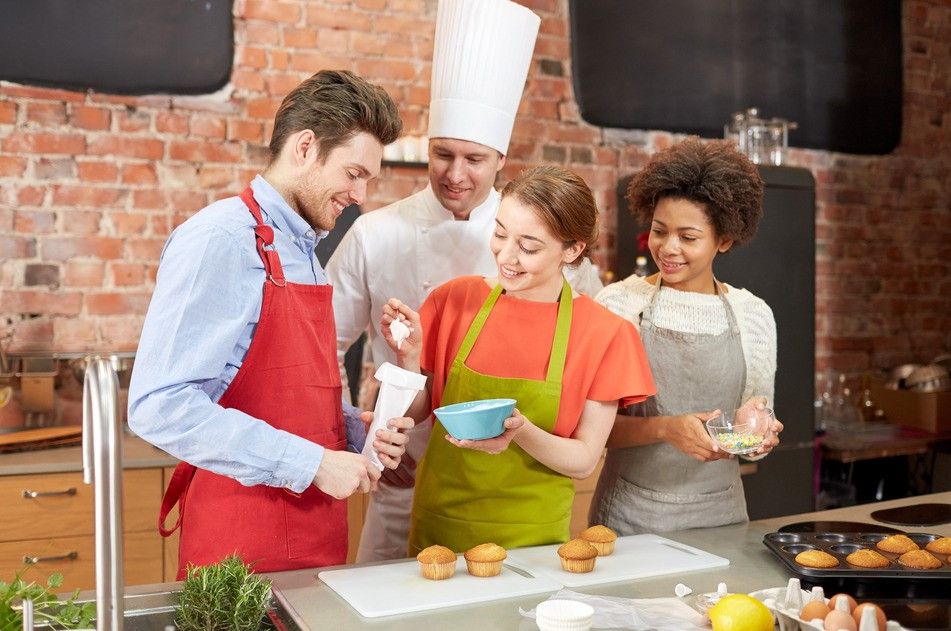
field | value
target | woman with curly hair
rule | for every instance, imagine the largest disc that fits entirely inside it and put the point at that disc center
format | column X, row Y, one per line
column 710, row 346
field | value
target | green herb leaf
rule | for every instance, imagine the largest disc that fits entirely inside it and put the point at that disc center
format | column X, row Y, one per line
column 225, row 596
column 46, row 606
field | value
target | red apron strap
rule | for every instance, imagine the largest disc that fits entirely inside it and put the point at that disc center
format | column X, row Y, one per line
column 264, row 236
column 175, row 494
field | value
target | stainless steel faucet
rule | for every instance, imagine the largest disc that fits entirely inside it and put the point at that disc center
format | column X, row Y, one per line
column 102, row 467
column 28, row 615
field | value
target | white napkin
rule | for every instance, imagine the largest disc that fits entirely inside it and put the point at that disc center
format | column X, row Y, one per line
column 398, row 388
column 640, row 614
column 399, row 330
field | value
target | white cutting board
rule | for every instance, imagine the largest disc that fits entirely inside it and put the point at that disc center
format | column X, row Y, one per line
column 635, row 556
column 385, row 590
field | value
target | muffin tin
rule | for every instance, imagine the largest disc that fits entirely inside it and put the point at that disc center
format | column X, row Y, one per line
column 895, row 580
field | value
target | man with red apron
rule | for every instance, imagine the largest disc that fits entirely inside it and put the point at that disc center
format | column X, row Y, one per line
column 295, row 335
column 240, row 382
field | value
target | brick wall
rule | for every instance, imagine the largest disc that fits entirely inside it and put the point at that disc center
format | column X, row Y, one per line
column 92, row 184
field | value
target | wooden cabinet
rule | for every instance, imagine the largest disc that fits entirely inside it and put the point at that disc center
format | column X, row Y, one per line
column 48, row 526
column 170, row 549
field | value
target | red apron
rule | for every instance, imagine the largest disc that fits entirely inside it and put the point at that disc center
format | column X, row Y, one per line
column 290, row 379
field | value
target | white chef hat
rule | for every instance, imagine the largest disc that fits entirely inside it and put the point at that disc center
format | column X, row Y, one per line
column 480, row 61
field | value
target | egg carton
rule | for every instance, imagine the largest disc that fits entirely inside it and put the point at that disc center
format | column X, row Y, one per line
column 786, row 610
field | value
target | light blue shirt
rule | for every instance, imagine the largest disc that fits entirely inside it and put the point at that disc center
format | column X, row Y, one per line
column 197, row 331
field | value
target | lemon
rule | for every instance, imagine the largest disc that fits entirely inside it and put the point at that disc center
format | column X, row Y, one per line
column 739, row 612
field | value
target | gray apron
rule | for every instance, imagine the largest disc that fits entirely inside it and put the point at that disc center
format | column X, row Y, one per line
column 657, row 487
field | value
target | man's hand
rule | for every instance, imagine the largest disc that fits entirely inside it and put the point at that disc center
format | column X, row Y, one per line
column 341, row 474
column 390, row 444
column 689, row 434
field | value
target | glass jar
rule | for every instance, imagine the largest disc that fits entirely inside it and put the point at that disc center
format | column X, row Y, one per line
column 763, row 141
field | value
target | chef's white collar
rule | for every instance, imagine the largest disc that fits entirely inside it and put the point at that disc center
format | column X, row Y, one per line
column 480, row 214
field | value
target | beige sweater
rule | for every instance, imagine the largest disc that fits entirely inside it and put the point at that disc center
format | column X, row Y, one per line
column 690, row 312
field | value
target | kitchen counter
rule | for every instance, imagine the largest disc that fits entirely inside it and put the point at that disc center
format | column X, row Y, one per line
column 136, row 454
column 752, row 567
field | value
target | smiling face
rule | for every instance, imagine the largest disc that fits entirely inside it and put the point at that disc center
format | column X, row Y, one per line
column 528, row 255
column 462, row 173
column 325, row 187
column 683, row 244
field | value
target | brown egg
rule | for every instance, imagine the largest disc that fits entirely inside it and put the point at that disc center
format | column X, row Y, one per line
column 835, row 599
column 879, row 615
column 814, row 609
column 839, row 621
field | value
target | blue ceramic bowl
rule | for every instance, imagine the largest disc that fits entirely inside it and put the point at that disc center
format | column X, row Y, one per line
column 475, row 420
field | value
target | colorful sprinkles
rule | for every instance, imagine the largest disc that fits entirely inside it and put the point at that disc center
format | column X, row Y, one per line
column 739, row 441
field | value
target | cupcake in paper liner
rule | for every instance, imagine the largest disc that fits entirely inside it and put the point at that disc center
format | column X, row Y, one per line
column 601, row 537
column 577, row 556
column 437, row 563
column 485, row 559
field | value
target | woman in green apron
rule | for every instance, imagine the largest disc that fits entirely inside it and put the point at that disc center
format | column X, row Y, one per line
column 711, row 347
column 525, row 335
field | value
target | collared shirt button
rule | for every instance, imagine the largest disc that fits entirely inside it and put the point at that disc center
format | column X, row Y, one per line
column 427, row 284
column 310, row 234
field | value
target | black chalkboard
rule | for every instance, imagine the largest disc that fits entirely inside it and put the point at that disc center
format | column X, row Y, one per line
column 118, row 46
column 833, row 66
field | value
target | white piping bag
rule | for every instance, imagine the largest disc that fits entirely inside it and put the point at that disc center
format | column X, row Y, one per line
column 398, row 388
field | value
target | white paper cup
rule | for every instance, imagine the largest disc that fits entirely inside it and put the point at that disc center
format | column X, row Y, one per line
column 410, row 148
column 564, row 615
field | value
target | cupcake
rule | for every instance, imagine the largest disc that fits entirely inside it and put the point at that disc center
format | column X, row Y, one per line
column 577, row 556
column 485, row 559
column 816, row 558
column 941, row 546
column 437, row 562
column 867, row 558
column 919, row 560
column 897, row 544
column 601, row 537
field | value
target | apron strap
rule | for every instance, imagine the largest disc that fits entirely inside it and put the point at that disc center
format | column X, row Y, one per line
column 559, row 347
column 264, row 239
column 476, row 327
column 730, row 314
column 175, row 494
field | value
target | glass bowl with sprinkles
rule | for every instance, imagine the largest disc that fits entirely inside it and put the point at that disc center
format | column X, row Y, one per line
column 742, row 432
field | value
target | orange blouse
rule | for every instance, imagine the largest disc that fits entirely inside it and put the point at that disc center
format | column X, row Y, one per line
column 605, row 359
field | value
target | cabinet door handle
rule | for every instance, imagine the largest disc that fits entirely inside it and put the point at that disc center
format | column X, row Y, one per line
column 31, row 560
column 28, row 494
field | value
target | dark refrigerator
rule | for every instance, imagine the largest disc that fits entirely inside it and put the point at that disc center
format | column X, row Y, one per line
column 779, row 266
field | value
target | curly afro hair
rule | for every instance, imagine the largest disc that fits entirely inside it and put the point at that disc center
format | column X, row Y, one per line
column 713, row 174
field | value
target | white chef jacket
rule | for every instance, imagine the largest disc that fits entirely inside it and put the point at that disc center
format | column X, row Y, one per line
column 404, row 251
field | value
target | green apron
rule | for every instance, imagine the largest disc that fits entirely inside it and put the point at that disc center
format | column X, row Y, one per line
column 466, row 497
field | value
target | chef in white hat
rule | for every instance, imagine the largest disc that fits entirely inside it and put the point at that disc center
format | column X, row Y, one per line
column 483, row 49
